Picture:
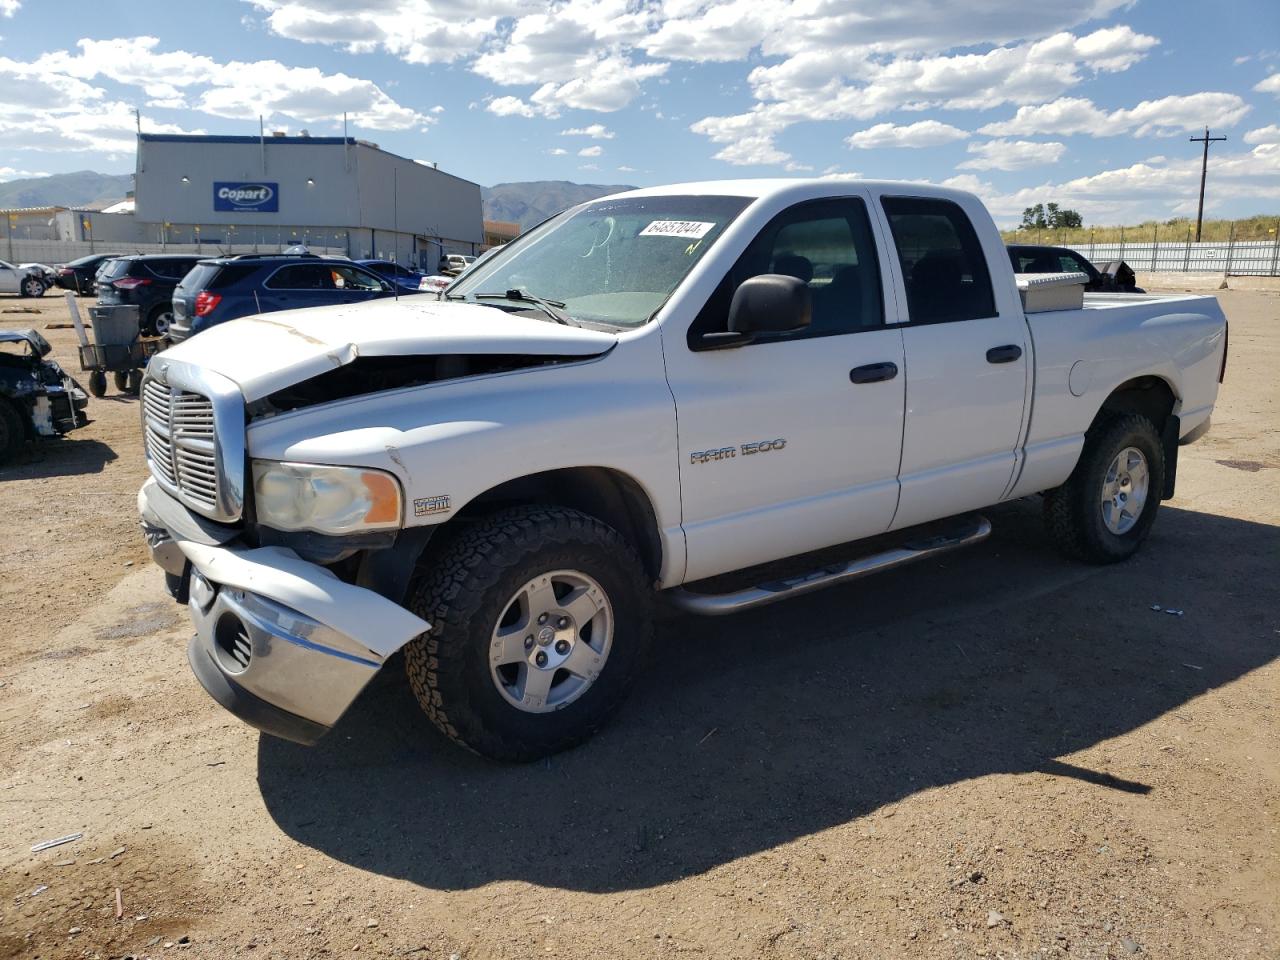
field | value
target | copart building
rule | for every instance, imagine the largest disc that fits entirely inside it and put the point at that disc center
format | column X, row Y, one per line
column 337, row 194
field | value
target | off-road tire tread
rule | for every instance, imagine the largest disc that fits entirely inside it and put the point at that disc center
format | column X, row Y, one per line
column 447, row 587
column 1067, row 506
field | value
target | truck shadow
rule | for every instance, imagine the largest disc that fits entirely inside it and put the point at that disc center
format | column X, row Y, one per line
column 756, row 730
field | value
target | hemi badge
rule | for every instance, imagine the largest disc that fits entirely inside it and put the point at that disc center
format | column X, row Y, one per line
column 429, row 505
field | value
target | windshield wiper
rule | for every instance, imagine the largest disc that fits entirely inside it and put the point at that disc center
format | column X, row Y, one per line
column 552, row 308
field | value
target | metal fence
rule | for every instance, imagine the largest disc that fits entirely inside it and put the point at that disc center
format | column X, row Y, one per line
column 1152, row 251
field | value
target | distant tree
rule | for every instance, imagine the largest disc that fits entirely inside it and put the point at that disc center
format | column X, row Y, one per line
column 1050, row 216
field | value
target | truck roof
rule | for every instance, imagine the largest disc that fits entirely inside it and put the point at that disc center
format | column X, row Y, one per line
column 781, row 187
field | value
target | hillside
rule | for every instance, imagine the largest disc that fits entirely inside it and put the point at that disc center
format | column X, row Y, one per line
column 533, row 201
column 1261, row 226
column 78, row 189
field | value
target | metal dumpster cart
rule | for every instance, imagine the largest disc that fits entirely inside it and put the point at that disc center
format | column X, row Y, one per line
column 118, row 349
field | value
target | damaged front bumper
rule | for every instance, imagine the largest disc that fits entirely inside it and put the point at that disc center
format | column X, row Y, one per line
column 280, row 642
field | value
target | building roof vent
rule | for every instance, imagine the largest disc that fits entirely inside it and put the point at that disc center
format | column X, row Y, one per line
column 304, row 133
column 278, row 133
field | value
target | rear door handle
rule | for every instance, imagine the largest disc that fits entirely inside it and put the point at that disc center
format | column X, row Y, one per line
column 873, row 372
column 1006, row 354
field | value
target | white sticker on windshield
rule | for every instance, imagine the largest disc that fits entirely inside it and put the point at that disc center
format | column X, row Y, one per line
column 687, row 229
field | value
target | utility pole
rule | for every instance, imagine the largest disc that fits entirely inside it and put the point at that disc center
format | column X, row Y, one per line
column 1204, row 168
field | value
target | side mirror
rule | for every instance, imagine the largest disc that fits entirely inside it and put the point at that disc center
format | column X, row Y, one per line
column 771, row 303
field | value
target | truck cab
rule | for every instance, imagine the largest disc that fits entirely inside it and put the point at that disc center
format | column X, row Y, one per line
column 646, row 392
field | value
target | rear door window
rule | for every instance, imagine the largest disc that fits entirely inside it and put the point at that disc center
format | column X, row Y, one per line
column 301, row 276
column 353, row 278
column 943, row 266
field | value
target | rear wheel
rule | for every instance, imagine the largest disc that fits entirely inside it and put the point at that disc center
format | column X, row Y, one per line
column 1105, row 509
column 12, row 433
column 541, row 619
column 159, row 321
column 98, row 383
column 121, row 379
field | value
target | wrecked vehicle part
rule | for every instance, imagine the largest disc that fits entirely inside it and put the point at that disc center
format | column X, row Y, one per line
column 39, row 399
column 369, row 375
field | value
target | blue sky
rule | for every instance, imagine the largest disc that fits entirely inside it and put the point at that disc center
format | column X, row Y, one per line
column 1089, row 104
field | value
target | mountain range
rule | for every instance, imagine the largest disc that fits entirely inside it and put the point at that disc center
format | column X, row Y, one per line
column 526, row 203
column 84, row 188
column 530, row 202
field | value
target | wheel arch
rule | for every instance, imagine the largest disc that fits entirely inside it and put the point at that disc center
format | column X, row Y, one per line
column 1150, row 395
column 1155, row 398
column 609, row 495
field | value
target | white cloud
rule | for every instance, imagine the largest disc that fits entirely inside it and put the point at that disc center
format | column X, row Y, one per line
column 1064, row 116
column 1012, row 155
column 1171, row 115
column 9, row 173
column 1269, row 85
column 1162, row 118
column 510, row 107
column 626, row 169
column 558, row 152
column 1267, row 134
column 596, row 131
column 9, row 7
column 591, row 151
column 828, row 82
column 925, row 133
column 179, row 79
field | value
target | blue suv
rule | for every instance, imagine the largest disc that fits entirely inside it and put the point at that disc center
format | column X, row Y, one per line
column 406, row 278
column 225, row 288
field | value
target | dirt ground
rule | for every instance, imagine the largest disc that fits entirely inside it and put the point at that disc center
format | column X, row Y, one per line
column 998, row 754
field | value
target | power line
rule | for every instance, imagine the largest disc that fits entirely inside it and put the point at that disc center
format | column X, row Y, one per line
column 1204, row 169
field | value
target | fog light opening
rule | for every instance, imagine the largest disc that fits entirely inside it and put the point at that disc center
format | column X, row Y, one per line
column 231, row 644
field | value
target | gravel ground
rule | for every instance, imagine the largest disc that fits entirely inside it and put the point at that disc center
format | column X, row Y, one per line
column 998, row 754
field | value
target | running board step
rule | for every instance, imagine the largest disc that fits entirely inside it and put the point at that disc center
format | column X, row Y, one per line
column 975, row 530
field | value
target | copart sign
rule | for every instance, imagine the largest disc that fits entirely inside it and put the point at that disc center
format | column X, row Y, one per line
column 246, row 197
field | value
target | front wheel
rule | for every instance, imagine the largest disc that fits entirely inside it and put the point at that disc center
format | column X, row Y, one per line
column 1105, row 509
column 98, row 383
column 32, row 287
column 540, row 621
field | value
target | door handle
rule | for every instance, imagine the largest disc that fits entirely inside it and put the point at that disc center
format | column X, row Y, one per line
column 873, row 373
column 1006, row 354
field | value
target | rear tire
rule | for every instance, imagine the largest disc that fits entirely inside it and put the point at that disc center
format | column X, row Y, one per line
column 1107, row 506
column 98, row 383
column 121, row 379
column 518, row 575
column 13, row 434
column 158, row 322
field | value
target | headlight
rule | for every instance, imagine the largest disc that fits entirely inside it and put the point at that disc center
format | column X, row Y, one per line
column 333, row 500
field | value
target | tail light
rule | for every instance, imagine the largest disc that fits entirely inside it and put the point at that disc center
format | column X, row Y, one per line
column 206, row 301
column 128, row 283
column 66, row 272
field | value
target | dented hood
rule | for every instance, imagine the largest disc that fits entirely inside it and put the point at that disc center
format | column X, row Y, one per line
column 265, row 353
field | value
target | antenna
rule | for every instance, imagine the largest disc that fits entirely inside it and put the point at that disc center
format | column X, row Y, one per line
column 395, row 225
column 256, row 302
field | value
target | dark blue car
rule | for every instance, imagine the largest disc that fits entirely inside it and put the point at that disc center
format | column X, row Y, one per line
column 407, row 279
column 229, row 287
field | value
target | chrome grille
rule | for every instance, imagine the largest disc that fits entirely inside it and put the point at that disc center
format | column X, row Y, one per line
column 180, row 442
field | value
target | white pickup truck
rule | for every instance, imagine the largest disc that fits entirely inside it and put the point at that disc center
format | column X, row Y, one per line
column 646, row 392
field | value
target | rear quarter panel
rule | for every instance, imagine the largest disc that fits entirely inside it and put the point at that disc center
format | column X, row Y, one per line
column 1082, row 356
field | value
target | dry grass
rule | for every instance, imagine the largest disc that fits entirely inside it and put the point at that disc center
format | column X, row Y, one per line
column 1260, row 227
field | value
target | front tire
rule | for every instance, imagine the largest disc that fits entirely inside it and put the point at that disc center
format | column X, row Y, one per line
column 32, row 287
column 1105, row 509
column 541, row 620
